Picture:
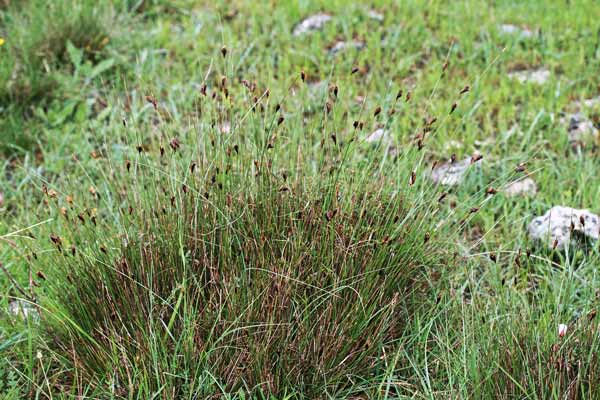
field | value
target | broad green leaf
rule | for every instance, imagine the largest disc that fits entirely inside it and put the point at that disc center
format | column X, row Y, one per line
column 101, row 67
column 75, row 54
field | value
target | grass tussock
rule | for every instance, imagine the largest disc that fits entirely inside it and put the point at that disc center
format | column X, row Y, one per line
column 252, row 284
column 219, row 208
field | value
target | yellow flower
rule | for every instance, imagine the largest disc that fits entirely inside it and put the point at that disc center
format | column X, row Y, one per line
column 1, row 41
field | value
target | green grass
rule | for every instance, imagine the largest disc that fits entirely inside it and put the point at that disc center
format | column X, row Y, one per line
column 294, row 260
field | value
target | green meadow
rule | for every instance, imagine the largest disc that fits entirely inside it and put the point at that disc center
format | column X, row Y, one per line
column 299, row 199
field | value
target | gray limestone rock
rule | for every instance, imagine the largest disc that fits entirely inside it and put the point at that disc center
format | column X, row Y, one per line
column 560, row 224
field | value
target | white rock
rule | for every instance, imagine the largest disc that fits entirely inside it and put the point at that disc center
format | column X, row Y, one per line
column 555, row 226
column 509, row 29
column 379, row 135
column 23, row 309
column 310, row 24
column 586, row 103
column 341, row 46
column 593, row 102
column 579, row 127
column 525, row 187
column 451, row 173
column 375, row 15
column 538, row 76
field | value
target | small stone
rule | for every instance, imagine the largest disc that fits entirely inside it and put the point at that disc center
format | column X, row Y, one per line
column 593, row 102
column 554, row 228
column 451, row 173
column 379, row 135
column 538, row 76
column 23, row 309
column 311, row 24
column 509, row 29
column 341, row 46
column 523, row 187
column 587, row 103
column 373, row 14
column 579, row 127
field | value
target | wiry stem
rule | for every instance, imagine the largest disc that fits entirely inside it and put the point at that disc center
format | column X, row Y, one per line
column 16, row 284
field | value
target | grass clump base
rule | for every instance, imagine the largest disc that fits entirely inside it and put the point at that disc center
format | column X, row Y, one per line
column 252, row 281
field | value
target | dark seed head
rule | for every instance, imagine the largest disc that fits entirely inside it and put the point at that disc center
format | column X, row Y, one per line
column 476, row 158
column 54, row 238
column 521, row 167
column 330, row 214
column 175, row 144
column 152, row 101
